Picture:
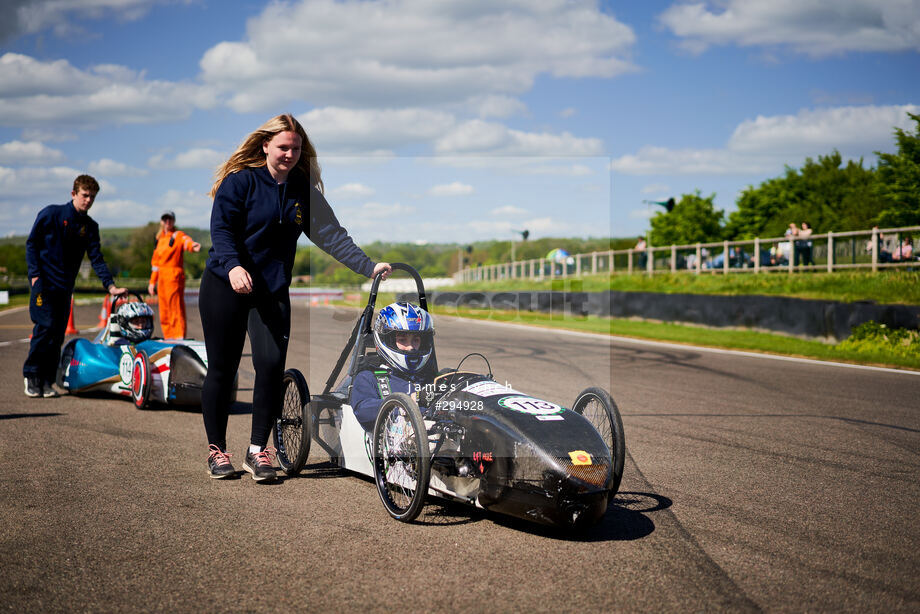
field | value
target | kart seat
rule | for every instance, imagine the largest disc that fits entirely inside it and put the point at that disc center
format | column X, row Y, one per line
column 369, row 362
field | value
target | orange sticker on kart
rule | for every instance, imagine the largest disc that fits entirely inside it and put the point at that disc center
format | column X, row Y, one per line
column 580, row 457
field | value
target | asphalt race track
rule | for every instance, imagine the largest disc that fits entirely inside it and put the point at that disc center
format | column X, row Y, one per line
column 750, row 484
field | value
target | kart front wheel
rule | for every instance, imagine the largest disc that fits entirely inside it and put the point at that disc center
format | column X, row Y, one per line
column 402, row 459
column 140, row 380
column 292, row 428
column 63, row 371
column 598, row 407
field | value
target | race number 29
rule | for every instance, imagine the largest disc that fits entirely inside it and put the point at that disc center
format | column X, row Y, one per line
column 530, row 405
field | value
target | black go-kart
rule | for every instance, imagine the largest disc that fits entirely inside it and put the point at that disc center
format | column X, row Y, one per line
column 479, row 442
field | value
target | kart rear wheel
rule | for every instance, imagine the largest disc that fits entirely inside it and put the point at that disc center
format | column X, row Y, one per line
column 292, row 427
column 402, row 458
column 598, row 407
column 140, row 380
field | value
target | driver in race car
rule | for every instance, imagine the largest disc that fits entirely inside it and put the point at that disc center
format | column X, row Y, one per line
column 130, row 323
column 404, row 336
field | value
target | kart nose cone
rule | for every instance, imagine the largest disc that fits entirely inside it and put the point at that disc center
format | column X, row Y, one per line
column 585, row 510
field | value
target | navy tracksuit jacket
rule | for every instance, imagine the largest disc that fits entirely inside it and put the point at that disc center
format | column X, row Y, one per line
column 269, row 218
column 366, row 396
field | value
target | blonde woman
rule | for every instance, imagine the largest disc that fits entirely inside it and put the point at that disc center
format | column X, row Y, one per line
column 267, row 194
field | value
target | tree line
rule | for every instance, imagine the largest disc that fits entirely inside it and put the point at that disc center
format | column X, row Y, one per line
column 826, row 193
column 127, row 251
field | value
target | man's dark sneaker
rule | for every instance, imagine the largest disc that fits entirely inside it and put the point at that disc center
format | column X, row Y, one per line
column 260, row 465
column 219, row 463
column 48, row 391
column 33, row 387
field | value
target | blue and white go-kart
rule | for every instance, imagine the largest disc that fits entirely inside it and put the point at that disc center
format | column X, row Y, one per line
column 170, row 372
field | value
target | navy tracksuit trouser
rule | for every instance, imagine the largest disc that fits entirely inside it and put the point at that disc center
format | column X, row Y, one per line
column 225, row 319
column 49, row 309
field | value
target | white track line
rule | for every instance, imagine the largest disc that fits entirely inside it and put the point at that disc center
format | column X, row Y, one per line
column 26, row 340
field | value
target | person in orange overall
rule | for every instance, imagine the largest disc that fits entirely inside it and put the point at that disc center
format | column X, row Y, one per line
column 168, row 277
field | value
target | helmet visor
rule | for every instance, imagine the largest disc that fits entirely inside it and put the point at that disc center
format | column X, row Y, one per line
column 408, row 343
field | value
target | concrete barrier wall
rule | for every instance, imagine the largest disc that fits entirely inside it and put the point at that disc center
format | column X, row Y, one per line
column 827, row 320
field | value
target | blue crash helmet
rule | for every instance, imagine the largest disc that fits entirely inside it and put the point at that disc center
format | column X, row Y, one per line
column 134, row 321
column 400, row 318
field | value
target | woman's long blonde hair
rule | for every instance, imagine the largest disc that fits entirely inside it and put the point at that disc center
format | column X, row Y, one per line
column 250, row 154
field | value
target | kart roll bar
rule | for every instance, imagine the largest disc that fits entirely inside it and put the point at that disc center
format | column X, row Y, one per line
column 357, row 342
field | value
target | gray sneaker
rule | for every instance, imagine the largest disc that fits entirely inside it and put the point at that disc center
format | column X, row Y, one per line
column 219, row 466
column 48, row 391
column 33, row 386
column 260, row 465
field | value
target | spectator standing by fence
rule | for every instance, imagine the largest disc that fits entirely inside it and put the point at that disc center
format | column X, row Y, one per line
column 804, row 245
column 167, row 277
column 641, row 247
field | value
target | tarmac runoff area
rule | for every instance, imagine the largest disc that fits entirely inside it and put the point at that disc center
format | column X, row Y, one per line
column 751, row 484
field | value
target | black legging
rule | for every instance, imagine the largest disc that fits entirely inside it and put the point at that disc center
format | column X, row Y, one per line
column 225, row 318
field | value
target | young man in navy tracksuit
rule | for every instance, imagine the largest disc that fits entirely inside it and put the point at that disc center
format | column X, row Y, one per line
column 60, row 236
column 266, row 195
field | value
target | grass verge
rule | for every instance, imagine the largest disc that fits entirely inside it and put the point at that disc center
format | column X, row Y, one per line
column 752, row 341
column 886, row 287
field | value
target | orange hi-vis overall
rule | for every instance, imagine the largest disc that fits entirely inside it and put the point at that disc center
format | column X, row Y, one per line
column 169, row 276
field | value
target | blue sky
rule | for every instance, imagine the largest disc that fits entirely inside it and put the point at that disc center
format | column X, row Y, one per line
column 447, row 121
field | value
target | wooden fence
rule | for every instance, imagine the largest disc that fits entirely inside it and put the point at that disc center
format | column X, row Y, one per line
column 874, row 250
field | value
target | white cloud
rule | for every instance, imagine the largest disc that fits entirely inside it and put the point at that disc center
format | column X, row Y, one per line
column 765, row 144
column 650, row 160
column 811, row 132
column 537, row 165
column 480, row 137
column 545, row 226
column 498, row 106
column 350, row 190
column 814, row 27
column 341, row 130
column 112, row 168
column 641, row 214
column 562, row 170
column 199, row 157
column 31, row 16
column 364, row 222
column 192, row 208
column 655, row 188
column 38, row 183
column 121, row 213
column 568, row 112
column 56, row 93
column 490, row 228
column 508, row 210
column 367, row 54
column 32, row 152
column 377, row 211
column 451, row 189
column 42, row 134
